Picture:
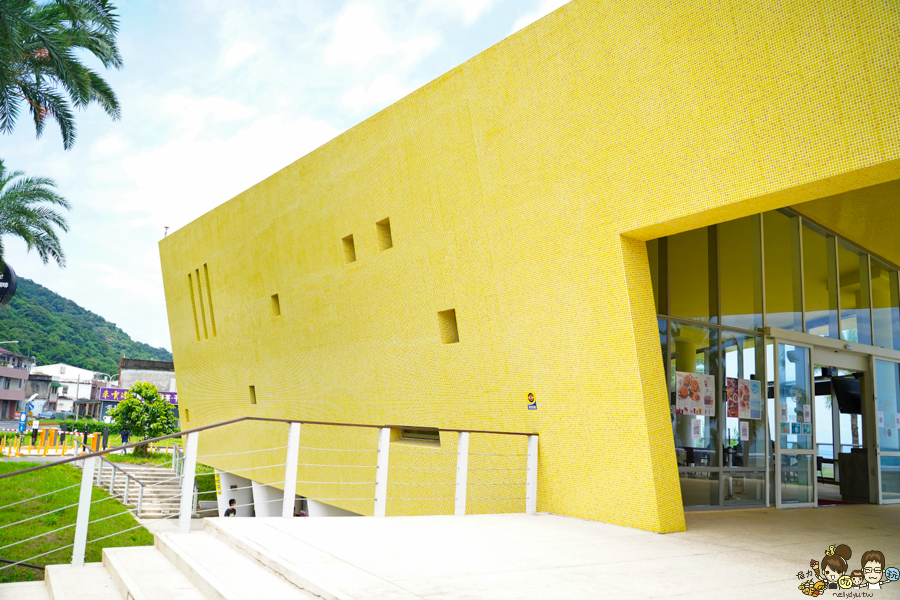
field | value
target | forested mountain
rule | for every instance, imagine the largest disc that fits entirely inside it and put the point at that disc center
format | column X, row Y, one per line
column 56, row 330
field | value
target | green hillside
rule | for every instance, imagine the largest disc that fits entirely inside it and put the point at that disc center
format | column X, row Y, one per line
column 56, row 330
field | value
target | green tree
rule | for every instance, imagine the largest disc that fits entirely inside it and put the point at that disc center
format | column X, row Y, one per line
column 40, row 68
column 27, row 212
column 144, row 412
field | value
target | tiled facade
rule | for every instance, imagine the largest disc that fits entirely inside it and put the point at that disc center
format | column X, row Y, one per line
column 520, row 188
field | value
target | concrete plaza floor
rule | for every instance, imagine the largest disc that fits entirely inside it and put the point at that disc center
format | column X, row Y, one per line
column 723, row 555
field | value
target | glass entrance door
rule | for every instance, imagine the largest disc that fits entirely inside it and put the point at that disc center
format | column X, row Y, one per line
column 794, row 435
column 887, row 423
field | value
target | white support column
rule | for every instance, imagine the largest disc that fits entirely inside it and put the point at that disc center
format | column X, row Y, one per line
column 531, row 476
column 84, row 511
column 462, row 473
column 187, row 483
column 381, row 471
column 290, row 471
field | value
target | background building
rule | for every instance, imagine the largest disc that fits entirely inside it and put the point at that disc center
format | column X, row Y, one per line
column 45, row 390
column 158, row 372
column 486, row 237
column 76, row 383
column 14, row 370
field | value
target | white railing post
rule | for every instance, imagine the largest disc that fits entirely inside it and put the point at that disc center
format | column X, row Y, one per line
column 140, row 505
column 531, row 476
column 112, row 480
column 99, row 472
column 84, row 511
column 127, row 481
column 290, row 471
column 462, row 473
column 381, row 471
column 187, row 482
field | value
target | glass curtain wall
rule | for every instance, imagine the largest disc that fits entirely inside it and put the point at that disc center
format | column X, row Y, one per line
column 717, row 288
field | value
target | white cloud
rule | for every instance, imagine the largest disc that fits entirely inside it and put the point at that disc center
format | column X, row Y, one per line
column 116, row 279
column 359, row 39
column 109, row 145
column 194, row 110
column 468, row 10
column 238, row 53
column 547, row 7
column 192, row 174
column 472, row 9
column 383, row 90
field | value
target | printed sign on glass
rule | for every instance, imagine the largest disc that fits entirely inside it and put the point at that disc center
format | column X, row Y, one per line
column 731, row 396
column 696, row 429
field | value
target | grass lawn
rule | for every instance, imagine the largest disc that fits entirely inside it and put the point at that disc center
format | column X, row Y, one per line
column 206, row 482
column 58, row 543
column 153, row 459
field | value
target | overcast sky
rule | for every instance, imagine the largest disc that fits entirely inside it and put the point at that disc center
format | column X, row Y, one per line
column 217, row 95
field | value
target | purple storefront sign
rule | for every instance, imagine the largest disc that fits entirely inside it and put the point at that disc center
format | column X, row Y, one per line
column 117, row 394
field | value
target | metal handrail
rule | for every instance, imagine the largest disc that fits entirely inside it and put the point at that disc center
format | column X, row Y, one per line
column 113, row 465
column 186, row 461
column 240, row 420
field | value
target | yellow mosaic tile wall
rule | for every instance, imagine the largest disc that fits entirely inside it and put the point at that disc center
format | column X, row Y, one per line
column 519, row 188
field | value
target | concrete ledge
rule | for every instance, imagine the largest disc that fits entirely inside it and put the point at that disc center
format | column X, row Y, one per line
column 222, row 571
column 199, row 576
column 24, row 590
column 90, row 582
column 271, row 560
column 144, row 573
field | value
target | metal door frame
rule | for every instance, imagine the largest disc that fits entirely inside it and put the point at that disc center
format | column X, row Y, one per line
column 876, row 445
column 776, row 435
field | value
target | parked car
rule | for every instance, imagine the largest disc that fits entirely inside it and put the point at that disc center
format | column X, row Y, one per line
column 65, row 414
column 47, row 414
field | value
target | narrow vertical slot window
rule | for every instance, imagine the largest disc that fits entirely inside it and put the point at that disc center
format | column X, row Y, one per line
column 349, row 250
column 194, row 306
column 252, row 394
column 202, row 310
column 383, row 228
column 276, row 306
column 447, row 323
column 187, row 416
column 212, row 317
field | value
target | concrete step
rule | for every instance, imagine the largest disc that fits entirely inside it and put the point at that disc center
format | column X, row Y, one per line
column 24, row 590
column 90, row 582
column 143, row 573
column 222, row 572
column 271, row 542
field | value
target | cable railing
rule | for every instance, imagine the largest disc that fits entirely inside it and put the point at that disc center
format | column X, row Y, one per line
column 59, row 505
column 376, row 473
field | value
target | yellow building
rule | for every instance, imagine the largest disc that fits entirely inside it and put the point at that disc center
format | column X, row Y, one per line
column 487, row 237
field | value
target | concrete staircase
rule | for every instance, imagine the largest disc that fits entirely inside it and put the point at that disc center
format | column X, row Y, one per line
column 162, row 491
column 214, row 563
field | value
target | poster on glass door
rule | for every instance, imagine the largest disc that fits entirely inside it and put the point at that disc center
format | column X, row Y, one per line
column 744, row 398
column 731, row 396
column 695, row 394
column 755, row 398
